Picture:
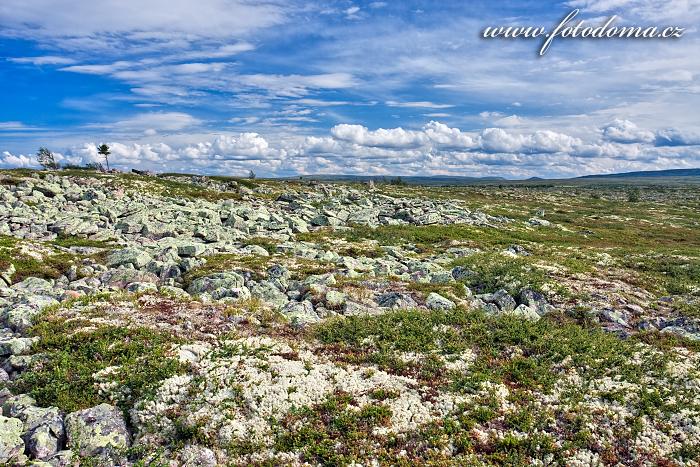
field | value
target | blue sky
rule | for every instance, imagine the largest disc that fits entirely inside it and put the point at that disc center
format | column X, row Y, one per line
column 291, row 87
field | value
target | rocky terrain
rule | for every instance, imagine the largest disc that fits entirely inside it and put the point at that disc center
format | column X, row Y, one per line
column 181, row 320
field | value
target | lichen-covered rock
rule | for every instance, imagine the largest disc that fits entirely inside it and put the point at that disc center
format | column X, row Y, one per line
column 396, row 300
column 526, row 312
column 133, row 256
column 500, row 298
column 438, row 302
column 34, row 286
column 11, row 444
column 121, row 278
column 335, row 299
column 43, row 430
column 190, row 249
column 16, row 345
column 19, row 317
column 222, row 280
column 300, row 312
column 197, row 456
column 141, row 287
column 97, row 431
column 175, row 292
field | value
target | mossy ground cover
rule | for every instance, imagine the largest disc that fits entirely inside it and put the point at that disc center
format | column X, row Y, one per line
column 73, row 352
column 382, row 339
column 50, row 266
column 530, row 359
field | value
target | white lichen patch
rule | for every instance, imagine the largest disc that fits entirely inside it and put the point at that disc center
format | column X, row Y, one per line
column 233, row 397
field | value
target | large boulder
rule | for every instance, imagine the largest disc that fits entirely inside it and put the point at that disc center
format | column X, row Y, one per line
column 436, row 301
column 134, row 256
column 43, row 429
column 34, row 286
column 190, row 249
column 121, row 278
column 98, row 431
column 300, row 312
column 501, row 299
column 16, row 345
column 221, row 280
column 396, row 300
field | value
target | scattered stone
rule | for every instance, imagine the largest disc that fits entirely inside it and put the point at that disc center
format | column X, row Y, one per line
column 11, row 443
column 129, row 256
column 213, row 282
column 396, row 300
column 500, row 298
column 300, row 312
column 438, row 302
column 99, row 431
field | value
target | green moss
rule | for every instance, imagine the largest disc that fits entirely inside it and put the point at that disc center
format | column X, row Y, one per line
column 331, row 433
column 495, row 271
column 64, row 376
column 268, row 244
column 68, row 241
column 542, row 345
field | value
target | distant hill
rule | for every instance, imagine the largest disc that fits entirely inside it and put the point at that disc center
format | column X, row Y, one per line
column 411, row 180
column 650, row 173
column 442, row 180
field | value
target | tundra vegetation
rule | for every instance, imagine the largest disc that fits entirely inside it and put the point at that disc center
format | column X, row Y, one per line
column 244, row 321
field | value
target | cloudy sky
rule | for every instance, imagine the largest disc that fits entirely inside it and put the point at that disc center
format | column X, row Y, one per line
column 288, row 87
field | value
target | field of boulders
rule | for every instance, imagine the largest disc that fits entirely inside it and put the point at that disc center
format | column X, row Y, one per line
column 187, row 320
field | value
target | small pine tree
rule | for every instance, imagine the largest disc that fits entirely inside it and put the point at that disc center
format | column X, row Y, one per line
column 46, row 159
column 103, row 150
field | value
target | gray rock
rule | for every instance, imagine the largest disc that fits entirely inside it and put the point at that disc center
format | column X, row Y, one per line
column 321, row 279
column 121, row 278
column 269, row 293
column 396, row 300
column 615, row 316
column 20, row 317
column 16, row 346
column 98, row 431
column 137, row 258
column 44, row 430
column 256, row 250
column 300, row 312
column 222, row 280
column 231, row 295
column 191, row 249
column 142, row 287
column 438, row 302
column 13, row 406
column 175, row 292
column 500, row 298
column 518, row 250
column 61, row 459
column 536, row 221
column 526, row 312
column 679, row 331
column 11, row 443
column 533, row 299
column 461, row 273
column 35, row 286
column 440, row 278
column 335, row 299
